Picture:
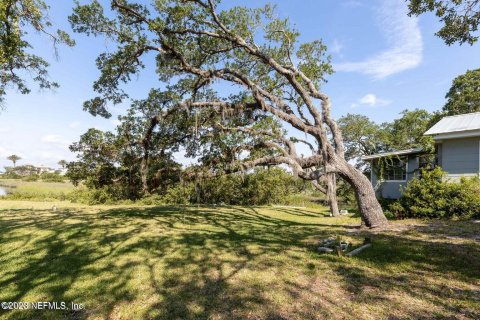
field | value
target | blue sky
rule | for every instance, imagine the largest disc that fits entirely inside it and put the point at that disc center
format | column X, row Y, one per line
column 385, row 62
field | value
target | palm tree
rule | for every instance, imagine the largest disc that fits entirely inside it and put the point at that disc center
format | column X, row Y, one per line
column 14, row 158
column 62, row 163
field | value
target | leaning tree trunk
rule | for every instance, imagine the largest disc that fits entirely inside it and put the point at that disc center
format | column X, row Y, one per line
column 332, row 194
column 370, row 209
column 144, row 175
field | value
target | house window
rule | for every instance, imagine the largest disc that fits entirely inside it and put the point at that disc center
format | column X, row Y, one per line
column 396, row 170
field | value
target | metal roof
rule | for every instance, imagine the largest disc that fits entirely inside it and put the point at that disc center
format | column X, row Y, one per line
column 459, row 123
column 392, row 153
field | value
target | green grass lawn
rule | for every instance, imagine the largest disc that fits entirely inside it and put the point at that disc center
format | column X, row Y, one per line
column 231, row 263
column 36, row 190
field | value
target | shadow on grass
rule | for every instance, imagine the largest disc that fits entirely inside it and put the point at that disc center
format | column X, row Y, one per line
column 424, row 269
column 192, row 263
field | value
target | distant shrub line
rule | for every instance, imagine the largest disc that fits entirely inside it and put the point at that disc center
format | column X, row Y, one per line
column 428, row 196
column 45, row 177
column 261, row 187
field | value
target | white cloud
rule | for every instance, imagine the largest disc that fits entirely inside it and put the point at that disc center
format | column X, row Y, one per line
column 54, row 139
column 5, row 129
column 5, row 152
column 74, row 124
column 182, row 158
column 47, row 155
column 336, row 46
column 403, row 37
column 115, row 122
column 371, row 100
column 46, row 149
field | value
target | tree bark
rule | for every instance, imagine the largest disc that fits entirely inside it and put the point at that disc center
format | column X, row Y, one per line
column 144, row 174
column 332, row 194
column 368, row 205
column 144, row 166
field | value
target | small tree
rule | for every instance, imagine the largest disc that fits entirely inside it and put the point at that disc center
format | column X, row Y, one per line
column 14, row 158
column 464, row 94
column 138, row 157
column 62, row 163
column 152, row 130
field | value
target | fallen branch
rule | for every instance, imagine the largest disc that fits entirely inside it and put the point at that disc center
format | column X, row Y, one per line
column 358, row 250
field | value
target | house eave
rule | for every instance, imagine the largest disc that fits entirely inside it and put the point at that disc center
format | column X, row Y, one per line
column 393, row 153
column 455, row 135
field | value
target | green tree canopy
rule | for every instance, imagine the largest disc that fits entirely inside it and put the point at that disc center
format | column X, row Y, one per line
column 407, row 131
column 362, row 136
column 14, row 158
column 62, row 163
column 19, row 18
column 464, row 94
column 137, row 159
column 97, row 157
column 460, row 18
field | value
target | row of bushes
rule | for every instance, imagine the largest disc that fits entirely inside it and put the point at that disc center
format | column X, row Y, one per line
column 262, row 187
column 39, row 196
column 80, row 194
column 45, row 177
column 433, row 196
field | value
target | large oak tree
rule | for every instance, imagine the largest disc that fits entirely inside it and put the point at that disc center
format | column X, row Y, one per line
column 197, row 47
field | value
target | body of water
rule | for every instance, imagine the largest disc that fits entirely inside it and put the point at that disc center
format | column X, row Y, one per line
column 3, row 191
